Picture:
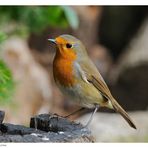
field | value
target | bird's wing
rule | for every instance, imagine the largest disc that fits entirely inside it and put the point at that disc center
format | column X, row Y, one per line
column 101, row 86
column 91, row 74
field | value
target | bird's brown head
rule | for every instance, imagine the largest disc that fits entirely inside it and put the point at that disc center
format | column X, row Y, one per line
column 69, row 47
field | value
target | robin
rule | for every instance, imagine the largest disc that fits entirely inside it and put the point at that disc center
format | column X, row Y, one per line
column 78, row 77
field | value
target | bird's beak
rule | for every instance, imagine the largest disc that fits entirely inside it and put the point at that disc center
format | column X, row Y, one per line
column 52, row 41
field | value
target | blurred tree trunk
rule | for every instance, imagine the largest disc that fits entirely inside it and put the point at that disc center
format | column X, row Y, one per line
column 118, row 25
column 131, row 75
column 89, row 24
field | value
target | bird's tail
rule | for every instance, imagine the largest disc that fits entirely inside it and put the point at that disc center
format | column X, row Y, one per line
column 123, row 113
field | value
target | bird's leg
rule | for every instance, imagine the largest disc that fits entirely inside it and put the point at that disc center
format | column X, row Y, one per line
column 74, row 112
column 91, row 117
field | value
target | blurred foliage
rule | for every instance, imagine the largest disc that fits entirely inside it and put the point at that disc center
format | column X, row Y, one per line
column 6, row 83
column 71, row 17
column 27, row 19
column 23, row 20
column 2, row 36
column 6, row 80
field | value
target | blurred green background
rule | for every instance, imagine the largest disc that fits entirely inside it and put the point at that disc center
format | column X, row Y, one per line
column 24, row 21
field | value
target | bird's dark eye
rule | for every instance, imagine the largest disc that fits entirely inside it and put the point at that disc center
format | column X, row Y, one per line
column 68, row 45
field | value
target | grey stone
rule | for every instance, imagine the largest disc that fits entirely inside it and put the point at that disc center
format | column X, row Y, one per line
column 50, row 128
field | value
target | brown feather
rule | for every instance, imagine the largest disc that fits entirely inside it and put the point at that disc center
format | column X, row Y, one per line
column 103, row 88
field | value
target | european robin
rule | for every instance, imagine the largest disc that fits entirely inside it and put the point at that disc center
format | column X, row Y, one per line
column 78, row 77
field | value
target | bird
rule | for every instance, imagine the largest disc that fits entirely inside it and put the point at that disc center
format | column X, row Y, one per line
column 77, row 76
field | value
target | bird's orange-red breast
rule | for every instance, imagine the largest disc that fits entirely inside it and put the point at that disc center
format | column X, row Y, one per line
column 63, row 64
column 78, row 77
